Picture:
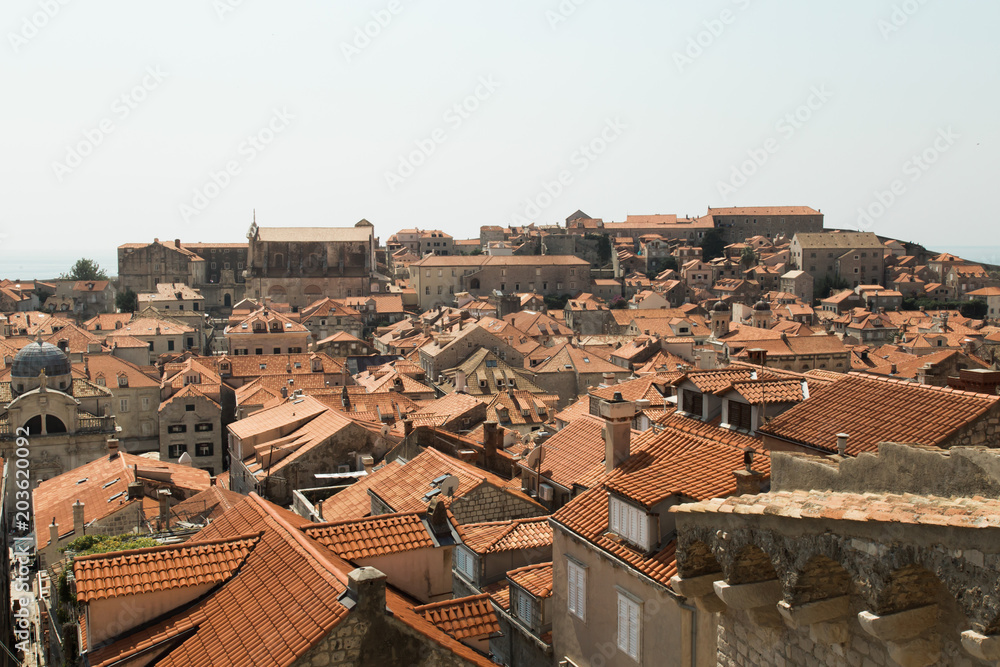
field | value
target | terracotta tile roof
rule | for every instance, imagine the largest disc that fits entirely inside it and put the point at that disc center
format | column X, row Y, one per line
column 687, row 458
column 872, row 409
column 764, row 210
column 288, row 415
column 190, row 391
column 770, row 391
column 102, row 487
column 160, row 568
column 508, row 407
column 500, row 536
column 535, row 579
column 207, row 505
column 909, row 509
column 373, row 536
column 720, row 381
column 575, row 455
column 499, row 593
column 402, row 485
column 248, row 619
column 147, row 326
column 111, row 367
column 462, row 618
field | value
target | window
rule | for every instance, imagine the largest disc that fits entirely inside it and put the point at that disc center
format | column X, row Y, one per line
column 628, row 626
column 170, row 346
column 524, row 607
column 177, row 428
column 175, row 451
column 203, row 427
column 465, row 562
column 204, row 449
column 576, row 576
column 692, row 403
column 189, row 407
column 629, row 522
column 145, row 403
column 739, row 415
column 123, row 405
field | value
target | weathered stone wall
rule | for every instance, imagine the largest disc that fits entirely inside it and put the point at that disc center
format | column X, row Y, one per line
column 488, row 503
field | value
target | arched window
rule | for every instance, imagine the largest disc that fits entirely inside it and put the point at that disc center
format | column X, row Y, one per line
column 278, row 259
column 227, row 300
column 474, row 283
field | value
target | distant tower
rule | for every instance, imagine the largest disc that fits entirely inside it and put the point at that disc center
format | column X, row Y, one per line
column 721, row 317
column 760, row 317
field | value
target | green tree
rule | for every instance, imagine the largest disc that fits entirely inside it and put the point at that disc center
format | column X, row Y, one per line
column 127, row 301
column 85, row 269
column 86, row 545
column 748, row 258
column 712, row 246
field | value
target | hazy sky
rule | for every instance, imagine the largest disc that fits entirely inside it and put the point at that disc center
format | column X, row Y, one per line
column 128, row 120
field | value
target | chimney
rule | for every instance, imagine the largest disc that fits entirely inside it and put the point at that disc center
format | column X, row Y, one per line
column 284, row 392
column 54, row 532
column 748, row 480
column 368, row 462
column 407, row 426
column 437, row 517
column 211, row 480
column 609, row 378
column 134, row 490
column 163, row 497
column 177, row 243
column 367, row 586
column 78, row 523
column 112, row 448
column 842, row 444
column 460, row 380
column 617, row 414
column 492, row 438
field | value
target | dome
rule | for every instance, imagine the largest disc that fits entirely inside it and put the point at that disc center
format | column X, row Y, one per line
column 720, row 307
column 35, row 356
column 762, row 305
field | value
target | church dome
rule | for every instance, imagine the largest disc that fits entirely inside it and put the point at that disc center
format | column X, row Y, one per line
column 35, row 356
column 720, row 307
column 762, row 305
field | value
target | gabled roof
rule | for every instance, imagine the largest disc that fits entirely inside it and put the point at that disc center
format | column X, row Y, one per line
column 502, row 536
column 162, row 568
column 462, row 618
column 369, row 537
column 403, row 484
column 535, row 579
column 102, row 487
column 872, row 409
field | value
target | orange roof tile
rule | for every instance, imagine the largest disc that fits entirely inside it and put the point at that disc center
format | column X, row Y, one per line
column 535, row 579
column 373, row 536
column 462, row 618
column 500, row 536
column 873, row 409
column 161, row 568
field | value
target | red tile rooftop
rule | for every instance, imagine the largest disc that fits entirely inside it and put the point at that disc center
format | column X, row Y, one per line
column 500, row 536
column 374, row 536
column 160, row 568
column 462, row 618
column 536, row 579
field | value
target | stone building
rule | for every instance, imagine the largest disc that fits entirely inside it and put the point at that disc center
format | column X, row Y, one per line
column 739, row 223
column 136, row 399
column 276, row 596
column 266, row 331
column 854, row 257
column 799, row 283
column 214, row 269
column 67, row 420
column 881, row 559
column 300, row 265
column 191, row 425
column 438, row 279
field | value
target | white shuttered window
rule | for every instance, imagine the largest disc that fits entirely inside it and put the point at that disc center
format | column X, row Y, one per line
column 629, row 522
column 628, row 626
column 577, row 590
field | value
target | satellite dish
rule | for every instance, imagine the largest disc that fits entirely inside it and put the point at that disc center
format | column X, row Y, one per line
column 385, row 429
column 535, row 457
column 449, row 485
